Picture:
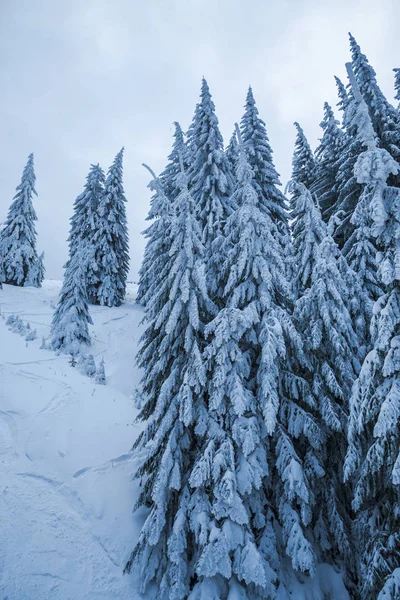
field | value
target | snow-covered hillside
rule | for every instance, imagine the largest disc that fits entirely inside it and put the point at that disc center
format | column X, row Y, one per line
column 66, row 491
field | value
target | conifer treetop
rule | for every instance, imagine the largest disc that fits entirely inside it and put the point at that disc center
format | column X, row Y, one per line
column 343, row 95
column 303, row 159
column 397, row 84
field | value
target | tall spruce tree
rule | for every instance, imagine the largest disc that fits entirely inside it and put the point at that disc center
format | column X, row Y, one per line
column 246, row 435
column 69, row 328
column 373, row 456
column 325, row 185
column 110, row 240
column 173, row 384
column 308, row 230
column 18, row 254
column 266, row 179
column 210, row 177
column 385, row 118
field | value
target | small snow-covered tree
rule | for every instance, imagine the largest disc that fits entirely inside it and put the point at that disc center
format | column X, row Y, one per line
column 327, row 154
column 110, row 240
column 69, row 328
column 87, row 365
column 18, row 255
column 173, row 386
column 266, row 179
column 36, row 273
column 100, row 377
column 308, row 230
column 372, row 461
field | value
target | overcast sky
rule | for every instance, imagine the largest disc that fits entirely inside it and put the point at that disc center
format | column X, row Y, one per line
column 81, row 78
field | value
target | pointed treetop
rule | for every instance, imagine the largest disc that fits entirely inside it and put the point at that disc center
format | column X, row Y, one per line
column 397, row 83
column 232, row 151
column 360, row 116
column 28, row 175
column 205, row 90
column 359, row 59
column 303, row 159
column 343, row 95
column 179, row 134
column 250, row 96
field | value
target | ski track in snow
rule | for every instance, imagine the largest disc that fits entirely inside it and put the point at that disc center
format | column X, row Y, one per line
column 66, row 490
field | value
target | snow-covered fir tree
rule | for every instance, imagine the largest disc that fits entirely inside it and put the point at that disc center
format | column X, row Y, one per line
column 69, row 328
column 308, row 230
column 210, row 177
column 110, row 240
column 372, row 461
column 325, row 185
column 36, row 273
column 156, row 254
column 232, row 152
column 85, row 224
column 246, row 437
column 173, row 386
column 385, row 118
column 18, row 254
column 100, row 377
column 266, row 179
column 332, row 346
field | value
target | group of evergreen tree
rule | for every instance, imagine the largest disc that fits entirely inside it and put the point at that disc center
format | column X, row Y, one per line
column 270, row 356
column 98, row 263
column 20, row 263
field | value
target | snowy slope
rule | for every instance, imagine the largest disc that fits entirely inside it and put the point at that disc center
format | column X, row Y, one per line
column 66, row 494
column 66, row 489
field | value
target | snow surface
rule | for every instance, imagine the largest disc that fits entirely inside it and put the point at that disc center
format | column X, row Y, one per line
column 66, row 489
